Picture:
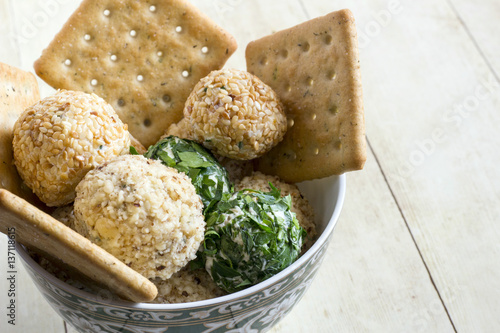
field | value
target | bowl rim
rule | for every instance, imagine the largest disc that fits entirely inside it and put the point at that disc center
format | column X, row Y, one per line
column 341, row 179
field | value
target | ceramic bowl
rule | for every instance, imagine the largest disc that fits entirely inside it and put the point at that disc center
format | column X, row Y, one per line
column 255, row 309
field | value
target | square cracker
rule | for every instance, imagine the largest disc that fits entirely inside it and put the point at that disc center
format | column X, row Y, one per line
column 18, row 90
column 314, row 69
column 142, row 57
column 40, row 231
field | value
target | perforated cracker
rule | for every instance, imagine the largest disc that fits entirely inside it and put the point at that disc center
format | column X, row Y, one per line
column 18, row 90
column 142, row 57
column 314, row 68
column 38, row 230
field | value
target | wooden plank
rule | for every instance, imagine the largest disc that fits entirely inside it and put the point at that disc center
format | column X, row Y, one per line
column 481, row 21
column 9, row 52
column 430, row 90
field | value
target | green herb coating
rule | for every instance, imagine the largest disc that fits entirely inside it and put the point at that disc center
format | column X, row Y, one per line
column 250, row 236
column 209, row 178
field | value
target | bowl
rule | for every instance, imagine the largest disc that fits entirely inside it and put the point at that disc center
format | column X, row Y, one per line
column 255, row 309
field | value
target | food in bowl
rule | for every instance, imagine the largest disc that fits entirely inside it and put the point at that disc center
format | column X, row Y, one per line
column 144, row 213
column 234, row 114
column 61, row 138
column 250, row 237
column 256, row 308
column 300, row 205
column 209, row 178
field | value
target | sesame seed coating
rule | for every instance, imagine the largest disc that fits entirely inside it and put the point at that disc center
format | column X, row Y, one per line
column 144, row 213
column 235, row 114
column 60, row 138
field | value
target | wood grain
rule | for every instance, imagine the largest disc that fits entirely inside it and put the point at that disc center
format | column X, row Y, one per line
column 438, row 106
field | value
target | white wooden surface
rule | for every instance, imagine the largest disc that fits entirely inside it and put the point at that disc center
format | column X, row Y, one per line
column 417, row 247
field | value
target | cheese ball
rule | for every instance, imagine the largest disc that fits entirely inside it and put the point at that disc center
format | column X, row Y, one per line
column 300, row 205
column 187, row 285
column 144, row 213
column 234, row 114
column 62, row 137
column 65, row 214
column 250, row 237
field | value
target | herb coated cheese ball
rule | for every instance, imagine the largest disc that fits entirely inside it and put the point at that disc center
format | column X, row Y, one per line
column 62, row 137
column 300, row 205
column 234, row 114
column 144, row 213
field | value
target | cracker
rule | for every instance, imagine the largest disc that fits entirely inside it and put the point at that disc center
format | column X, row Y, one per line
column 41, row 231
column 142, row 57
column 18, row 90
column 137, row 145
column 314, row 68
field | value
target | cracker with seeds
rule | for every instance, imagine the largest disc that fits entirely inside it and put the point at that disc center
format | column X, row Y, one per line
column 142, row 57
column 18, row 90
column 314, row 68
column 42, row 232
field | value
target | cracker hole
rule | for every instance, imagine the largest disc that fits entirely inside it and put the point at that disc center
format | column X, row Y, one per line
column 159, row 54
column 332, row 75
column 291, row 154
column 334, row 109
column 147, row 122
column 152, row 9
column 309, row 81
column 185, row 73
column 204, row 49
column 113, row 57
column 133, row 33
column 288, row 87
column 328, row 39
column 121, row 102
column 67, row 62
column 316, row 151
column 166, row 98
column 313, row 117
column 305, row 46
column 93, row 82
column 264, row 61
column 284, row 53
column 291, row 122
column 140, row 78
column 106, row 12
column 178, row 28
column 87, row 37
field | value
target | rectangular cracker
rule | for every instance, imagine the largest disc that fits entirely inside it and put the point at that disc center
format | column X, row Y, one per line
column 142, row 57
column 18, row 90
column 41, row 231
column 314, row 68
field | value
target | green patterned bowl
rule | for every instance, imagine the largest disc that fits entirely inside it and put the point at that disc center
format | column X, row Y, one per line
column 255, row 309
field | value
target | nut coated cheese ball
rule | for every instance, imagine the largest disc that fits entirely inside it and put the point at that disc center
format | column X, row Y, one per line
column 234, row 114
column 60, row 138
column 144, row 213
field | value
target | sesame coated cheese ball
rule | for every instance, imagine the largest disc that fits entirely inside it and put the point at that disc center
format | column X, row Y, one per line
column 144, row 213
column 60, row 138
column 234, row 114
